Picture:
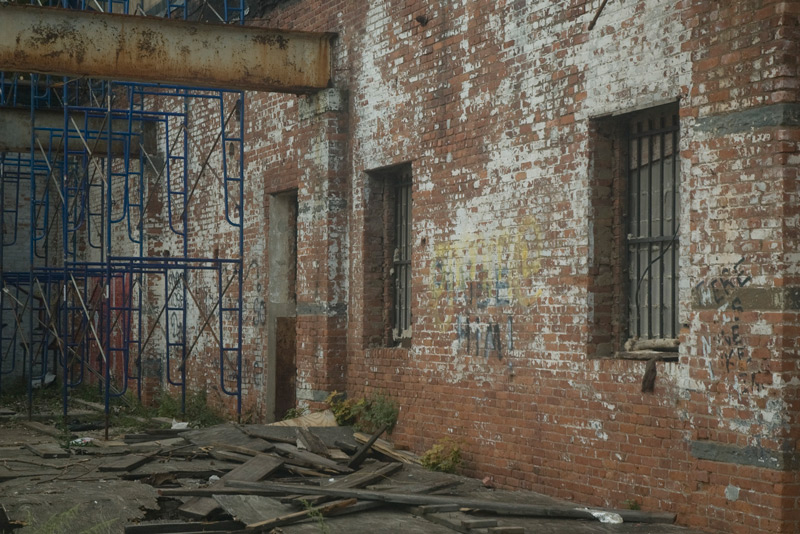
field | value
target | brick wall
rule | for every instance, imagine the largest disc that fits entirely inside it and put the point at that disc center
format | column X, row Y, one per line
column 499, row 108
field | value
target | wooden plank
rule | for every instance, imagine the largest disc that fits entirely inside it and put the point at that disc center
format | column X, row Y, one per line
column 325, row 509
column 359, row 457
column 47, row 450
column 6, row 475
column 240, row 450
column 274, row 434
column 469, row 524
column 176, row 528
column 230, row 456
column 311, row 442
column 437, row 508
column 338, row 454
column 257, row 468
column 386, row 448
column 225, row 433
column 305, row 472
column 252, row 508
column 45, row 429
column 324, row 418
column 359, row 479
column 309, row 459
column 197, row 468
column 531, row 510
column 125, row 463
column 346, row 447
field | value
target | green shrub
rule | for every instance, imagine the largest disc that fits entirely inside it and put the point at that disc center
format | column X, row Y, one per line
column 444, row 456
column 364, row 414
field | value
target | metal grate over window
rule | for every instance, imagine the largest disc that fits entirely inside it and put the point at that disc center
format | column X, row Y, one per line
column 652, row 236
column 402, row 257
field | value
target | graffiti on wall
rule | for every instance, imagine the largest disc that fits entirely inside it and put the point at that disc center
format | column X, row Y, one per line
column 487, row 339
column 721, row 293
column 258, row 305
column 486, row 279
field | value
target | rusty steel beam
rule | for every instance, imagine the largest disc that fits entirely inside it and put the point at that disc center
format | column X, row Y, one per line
column 145, row 49
column 16, row 131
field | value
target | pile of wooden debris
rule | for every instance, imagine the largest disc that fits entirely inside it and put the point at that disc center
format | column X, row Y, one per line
column 289, row 477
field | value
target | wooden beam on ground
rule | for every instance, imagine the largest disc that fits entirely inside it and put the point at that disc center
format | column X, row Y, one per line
column 522, row 509
column 324, row 510
column 47, row 450
column 359, row 456
column 257, row 468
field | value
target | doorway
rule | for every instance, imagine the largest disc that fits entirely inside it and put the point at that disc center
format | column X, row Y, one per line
column 282, row 334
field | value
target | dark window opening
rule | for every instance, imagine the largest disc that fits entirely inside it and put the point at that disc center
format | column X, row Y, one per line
column 388, row 246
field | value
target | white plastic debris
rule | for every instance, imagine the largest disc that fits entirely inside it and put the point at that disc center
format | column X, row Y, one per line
column 81, row 442
column 213, row 478
column 604, row 517
column 177, row 425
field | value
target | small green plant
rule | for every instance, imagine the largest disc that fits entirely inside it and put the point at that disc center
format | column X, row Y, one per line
column 365, row 414
column 317, row 516
column 632, row 504
column 345, row 410
column 380, row 410
column 444, row 456
column 293, row 413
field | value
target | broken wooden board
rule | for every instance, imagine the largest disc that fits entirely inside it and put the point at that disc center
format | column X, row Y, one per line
column 257, row 468
column 125, row 463
column 240, row 450
column 324, row 510
column 47, row 450
column 386, row 448
column 6, row 474
column 225, row 433
column 375, row 472
column 48, row 430
column 311, row 442
column 361, row 454
column 275, row 434
column 323, row 418
column 522, row 509
column 229, row 456
column 176, row 528
column 295, row 456
column 168, row 443
column 252, row 508
column 201, row 468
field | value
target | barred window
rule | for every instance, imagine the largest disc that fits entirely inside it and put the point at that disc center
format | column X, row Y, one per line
column 401, row 262
column 653, row 201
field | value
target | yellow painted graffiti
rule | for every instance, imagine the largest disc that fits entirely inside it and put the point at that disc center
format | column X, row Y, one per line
column 487, row 271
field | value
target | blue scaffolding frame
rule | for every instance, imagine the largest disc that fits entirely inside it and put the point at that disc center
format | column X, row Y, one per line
column 94, row 278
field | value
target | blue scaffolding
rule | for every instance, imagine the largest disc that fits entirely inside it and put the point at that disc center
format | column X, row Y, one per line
column 106, row 268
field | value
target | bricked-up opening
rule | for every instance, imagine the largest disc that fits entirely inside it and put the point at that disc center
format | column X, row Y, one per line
column 388, row 248
column 635, row 199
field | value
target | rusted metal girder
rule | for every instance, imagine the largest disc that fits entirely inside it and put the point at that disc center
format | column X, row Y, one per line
column 47, row 132
column 145, row 49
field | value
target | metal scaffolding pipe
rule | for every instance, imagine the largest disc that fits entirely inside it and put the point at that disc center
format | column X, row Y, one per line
column 144, row 49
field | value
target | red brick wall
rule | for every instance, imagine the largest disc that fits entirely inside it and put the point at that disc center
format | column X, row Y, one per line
column 495, row 104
